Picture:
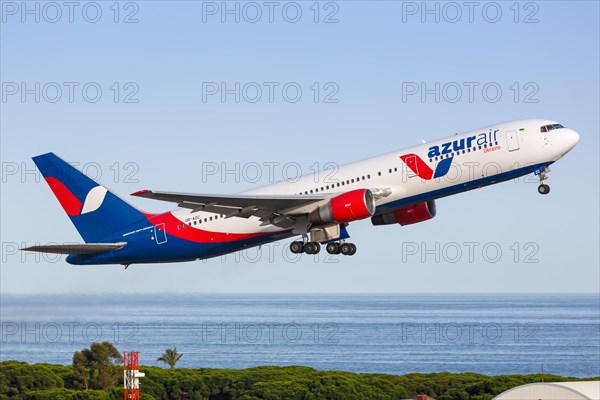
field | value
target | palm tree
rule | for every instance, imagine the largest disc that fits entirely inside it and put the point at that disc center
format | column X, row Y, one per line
column 171, row 356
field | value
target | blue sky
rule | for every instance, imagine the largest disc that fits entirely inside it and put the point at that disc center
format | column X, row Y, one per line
column 152, row 126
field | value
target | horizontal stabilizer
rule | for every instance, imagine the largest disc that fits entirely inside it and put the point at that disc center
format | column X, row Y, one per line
column 87, row 248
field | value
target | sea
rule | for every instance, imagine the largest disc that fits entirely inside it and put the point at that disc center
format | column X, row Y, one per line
column 367, row 333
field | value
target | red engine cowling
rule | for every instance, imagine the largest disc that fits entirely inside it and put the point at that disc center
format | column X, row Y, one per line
column 407, row 215
column 347, row 207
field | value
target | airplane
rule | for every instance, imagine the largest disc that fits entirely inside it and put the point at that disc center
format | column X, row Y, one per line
column 399, row 187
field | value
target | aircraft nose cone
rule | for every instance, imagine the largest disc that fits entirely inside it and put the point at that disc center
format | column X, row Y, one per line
column 571, row 138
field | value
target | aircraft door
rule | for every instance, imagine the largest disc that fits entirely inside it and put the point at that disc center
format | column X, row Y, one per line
column 413, row 166
column 160, row 233
column 512, row 140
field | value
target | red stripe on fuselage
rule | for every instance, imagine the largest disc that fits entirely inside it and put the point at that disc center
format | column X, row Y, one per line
column 194, row 234
column 66, row 198
column 418, row 166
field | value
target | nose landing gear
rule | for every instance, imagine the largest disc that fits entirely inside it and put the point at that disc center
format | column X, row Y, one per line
column 543, row 174
column 543, row 189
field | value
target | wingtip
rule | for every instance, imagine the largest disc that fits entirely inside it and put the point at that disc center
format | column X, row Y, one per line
column 140, row 192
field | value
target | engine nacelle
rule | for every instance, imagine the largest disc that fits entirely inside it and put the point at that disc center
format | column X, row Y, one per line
column 407, row 215
column 347, row 207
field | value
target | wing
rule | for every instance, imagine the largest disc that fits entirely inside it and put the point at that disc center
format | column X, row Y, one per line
column 87, row 248
column 284, row 211
column 278, row 210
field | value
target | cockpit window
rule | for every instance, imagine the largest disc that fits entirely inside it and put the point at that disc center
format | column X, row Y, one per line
column 548, row 128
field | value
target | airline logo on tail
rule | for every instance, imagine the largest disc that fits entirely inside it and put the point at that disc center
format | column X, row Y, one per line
column 424, row 171
column 71, row 204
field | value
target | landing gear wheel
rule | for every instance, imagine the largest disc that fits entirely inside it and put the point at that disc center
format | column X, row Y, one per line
column 346, row 249
column 333, row 248
column 543, row 189
column 312, row 248
column 297, row 247
column 353, row 250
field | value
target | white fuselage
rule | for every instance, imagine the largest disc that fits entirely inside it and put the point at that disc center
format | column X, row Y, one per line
column 473, row 159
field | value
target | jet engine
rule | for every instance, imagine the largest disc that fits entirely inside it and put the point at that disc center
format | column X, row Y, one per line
column 407, row 215
column 347, row 207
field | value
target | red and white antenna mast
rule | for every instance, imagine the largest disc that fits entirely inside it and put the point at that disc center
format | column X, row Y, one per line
column 131, row 376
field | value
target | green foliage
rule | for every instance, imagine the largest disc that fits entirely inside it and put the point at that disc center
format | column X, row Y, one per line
column 49, row 394
column 17, row 378
column 95, row 368
column 170, row 357
column 66, row 394
column 20, row 380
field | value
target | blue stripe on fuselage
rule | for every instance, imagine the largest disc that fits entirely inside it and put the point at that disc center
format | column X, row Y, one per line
column 462, row 187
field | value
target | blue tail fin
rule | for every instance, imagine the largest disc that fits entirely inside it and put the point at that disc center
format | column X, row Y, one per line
column 95, row 212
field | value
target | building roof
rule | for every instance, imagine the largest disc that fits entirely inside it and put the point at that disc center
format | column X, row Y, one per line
column 585, row 390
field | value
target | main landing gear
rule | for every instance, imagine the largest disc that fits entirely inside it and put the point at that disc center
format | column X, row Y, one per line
column 305, row 247
column 347, row 249
column 543, row 188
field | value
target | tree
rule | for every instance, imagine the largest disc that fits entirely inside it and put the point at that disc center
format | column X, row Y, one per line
column 170, row 357
column 96, row 367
